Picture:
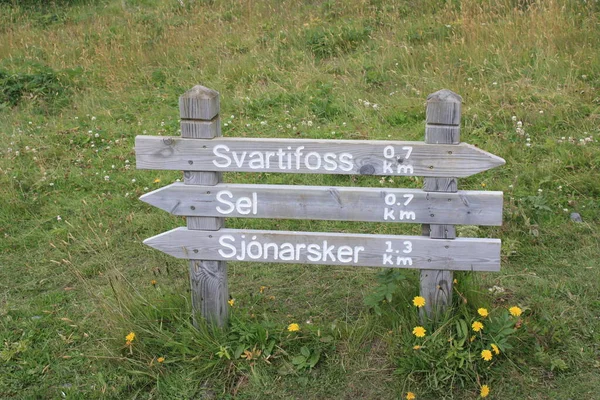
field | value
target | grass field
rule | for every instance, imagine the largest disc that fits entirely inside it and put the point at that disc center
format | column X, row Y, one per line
column 80, row 79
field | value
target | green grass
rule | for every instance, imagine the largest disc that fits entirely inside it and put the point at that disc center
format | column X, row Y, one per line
column 80, row 79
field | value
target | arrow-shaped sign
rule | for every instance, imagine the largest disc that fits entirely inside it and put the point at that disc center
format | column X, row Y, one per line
column 365, row 157
column 331, row 249
column 329, row 203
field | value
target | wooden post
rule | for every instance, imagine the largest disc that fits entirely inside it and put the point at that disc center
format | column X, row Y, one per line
column 199, row 112
column 442, row 127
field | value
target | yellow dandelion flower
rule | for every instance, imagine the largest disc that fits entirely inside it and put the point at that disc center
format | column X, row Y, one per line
column 417, row 347
column 483, row 312
column 419, row 301
column 293, row 327
column 153, row 282
column 495, row 349
column 486, row 355
column 472, row 338
column 160, row 359
column 231, row 302
column 262, row 289
column 410, row 396
column 130, row 337
column 157, row 180
column 483, row 185
column 477, row 326
column 515, row 311
column 455, row 281
column 485, row 390
column 419, row 331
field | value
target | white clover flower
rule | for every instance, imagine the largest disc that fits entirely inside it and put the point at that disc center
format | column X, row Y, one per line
column 263, row 123
column 309, row 123
column 58, row 218
column 514, row 118
column 93, row 118
column 133, row 180
column 106, row 178
column 519, row 124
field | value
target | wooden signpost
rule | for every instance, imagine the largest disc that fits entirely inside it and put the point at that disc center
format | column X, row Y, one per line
column 205, row 201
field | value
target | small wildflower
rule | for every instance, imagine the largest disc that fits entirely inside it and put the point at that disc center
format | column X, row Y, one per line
column 486, row 355
column 483, row 184
column 419, row 301
column 293, row 327
column 417, row 347
column 455, row 281
column 472, row 338
column 231, row 302
column 160, row 359
column 58, row 218
column 477, row 326
column 153, row 282
column 495, row 349
column 483, row 312
column 262, row 289
column 107, row 178
column 410, row 396
column 515, row 311
column 485, row 390
column 130, row 337
column 419, row 331
column 157, row 180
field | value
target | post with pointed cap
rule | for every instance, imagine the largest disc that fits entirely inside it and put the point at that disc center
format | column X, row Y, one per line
column 199, row 112
column 442, row 127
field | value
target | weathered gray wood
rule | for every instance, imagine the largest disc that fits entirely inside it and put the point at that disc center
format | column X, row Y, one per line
column 442, row 127
column 198, row 129
column 329, row 203
column 367, row 157
column 202, row 178
column 208, row 280
column 199, row 113
column 331, row 249
column 199, row 103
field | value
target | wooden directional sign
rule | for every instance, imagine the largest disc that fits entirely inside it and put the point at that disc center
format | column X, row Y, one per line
column 365, row 157
column 329, row 203
column 331, row 249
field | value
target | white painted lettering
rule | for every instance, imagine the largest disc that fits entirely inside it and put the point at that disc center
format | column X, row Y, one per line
column 328, row 251
column 239, row 161
column 227, row 159
column 388, row 213
column 257, row 160
column 307, row 160
column 299, row 246
column 222, row 242
column 346, row 162
column 408, row 198
column 408, row 248
column 387, row 258
column 314, row 253
column 410, row 215
column 244, row 205
column 404, row 261
column 390, row 199
column 220, row 199
column 259, row 250
column 330, row 163
column 387, row 167
column 275, row 251
column 405, row 169
column 388, row 152
column 286, row 252
column 357, row 249
column 409, row 150
column 268, row 156
column 344, row 254
column 298, row 154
